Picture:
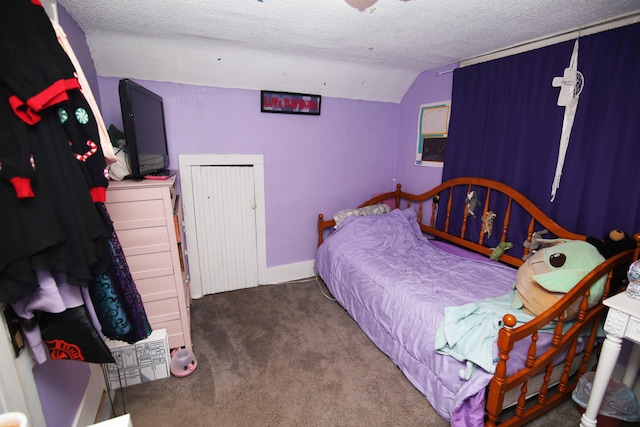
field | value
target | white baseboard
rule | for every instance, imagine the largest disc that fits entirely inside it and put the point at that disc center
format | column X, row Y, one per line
column 289, row 272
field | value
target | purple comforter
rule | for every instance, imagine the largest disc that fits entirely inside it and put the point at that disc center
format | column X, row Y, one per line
column 395, row 283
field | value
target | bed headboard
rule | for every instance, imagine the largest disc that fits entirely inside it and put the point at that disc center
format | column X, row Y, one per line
column 443, row 214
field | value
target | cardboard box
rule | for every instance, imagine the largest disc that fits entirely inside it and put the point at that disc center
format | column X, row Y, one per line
column 144, row 361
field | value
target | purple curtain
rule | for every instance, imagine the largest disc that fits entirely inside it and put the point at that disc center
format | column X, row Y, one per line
column 506, row 125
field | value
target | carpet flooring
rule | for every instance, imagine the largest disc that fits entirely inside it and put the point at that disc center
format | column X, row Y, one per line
column 286, row 355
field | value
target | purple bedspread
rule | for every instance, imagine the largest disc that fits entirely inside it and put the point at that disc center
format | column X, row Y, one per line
column 395, row 284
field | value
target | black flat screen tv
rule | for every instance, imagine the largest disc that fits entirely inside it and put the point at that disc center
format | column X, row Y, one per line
column 144, row 130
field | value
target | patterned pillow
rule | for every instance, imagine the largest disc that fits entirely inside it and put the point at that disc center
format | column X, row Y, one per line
column 364, row 211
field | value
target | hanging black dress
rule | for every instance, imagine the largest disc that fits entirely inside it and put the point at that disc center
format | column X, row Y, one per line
column 47, row 210
column 52, row 170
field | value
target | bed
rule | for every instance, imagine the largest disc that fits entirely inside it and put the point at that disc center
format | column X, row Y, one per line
column 407, row 272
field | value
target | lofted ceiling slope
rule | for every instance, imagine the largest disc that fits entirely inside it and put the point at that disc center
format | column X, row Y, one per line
column 357, row 49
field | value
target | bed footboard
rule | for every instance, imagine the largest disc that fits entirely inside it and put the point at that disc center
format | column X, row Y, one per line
column 584, row 331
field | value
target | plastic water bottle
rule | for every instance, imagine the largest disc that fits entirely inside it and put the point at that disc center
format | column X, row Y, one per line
column 633, row 288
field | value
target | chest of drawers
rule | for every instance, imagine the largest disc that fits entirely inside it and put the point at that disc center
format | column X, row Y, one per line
column 147, row 217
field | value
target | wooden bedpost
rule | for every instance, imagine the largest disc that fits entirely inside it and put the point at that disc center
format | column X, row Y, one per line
column 448, row 216
column 398, row 186
column 495, row 397
column 434, row 209
column 320, row 229
column 530, row 231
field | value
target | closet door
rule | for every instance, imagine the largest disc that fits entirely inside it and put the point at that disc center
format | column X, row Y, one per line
column 223, row 219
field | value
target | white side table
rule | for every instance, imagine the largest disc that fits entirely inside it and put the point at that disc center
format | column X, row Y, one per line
column 623, row 322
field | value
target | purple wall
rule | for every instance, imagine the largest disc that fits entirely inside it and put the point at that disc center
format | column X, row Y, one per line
column 61, row 385
column 427, row 88
column 313, row 164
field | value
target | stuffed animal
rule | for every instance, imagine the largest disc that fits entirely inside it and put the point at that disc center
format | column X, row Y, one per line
column 487, row 223
column 615, row 242
column 499, row 250
column 553, row 271
column 537, row 242
column 471, row 201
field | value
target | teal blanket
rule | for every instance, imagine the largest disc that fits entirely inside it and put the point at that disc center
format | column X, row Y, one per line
column 469, row 332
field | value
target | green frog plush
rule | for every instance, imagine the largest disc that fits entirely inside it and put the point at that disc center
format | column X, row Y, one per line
column 551, row 272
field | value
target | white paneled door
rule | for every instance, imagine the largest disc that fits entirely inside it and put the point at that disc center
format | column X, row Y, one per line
column 224, row 221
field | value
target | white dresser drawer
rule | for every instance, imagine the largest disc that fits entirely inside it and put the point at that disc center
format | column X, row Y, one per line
column 165, row 315
column 133, row 195
column 137, row 241
column 175, row 333
column 157, row 288
column 162, row 310
column 143, row 213
column 150, row 265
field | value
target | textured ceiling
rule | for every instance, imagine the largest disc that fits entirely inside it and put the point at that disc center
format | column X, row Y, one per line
column 359, row 49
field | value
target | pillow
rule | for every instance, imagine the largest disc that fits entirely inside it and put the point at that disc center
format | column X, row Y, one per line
column 364, row 211
column 550, row 273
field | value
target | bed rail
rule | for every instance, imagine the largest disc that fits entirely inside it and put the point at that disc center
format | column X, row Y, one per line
column 443, row 213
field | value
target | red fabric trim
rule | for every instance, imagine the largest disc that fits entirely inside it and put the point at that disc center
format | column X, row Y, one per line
column 57, row 99
column 73, row 83
column 22, row 187
column 23, row 111
column 53, row 94
column 98, row 194
column 36, row 2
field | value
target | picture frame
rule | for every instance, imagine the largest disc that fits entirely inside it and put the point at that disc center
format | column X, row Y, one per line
column 289, row 103
column 433, row 130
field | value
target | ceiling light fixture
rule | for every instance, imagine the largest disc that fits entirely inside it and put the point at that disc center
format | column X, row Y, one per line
column 361, row 5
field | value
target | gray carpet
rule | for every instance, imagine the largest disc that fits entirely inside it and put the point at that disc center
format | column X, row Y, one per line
column 285, row 355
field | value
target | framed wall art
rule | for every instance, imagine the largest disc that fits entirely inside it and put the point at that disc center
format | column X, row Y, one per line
column 289, row 103
column 433, row 128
